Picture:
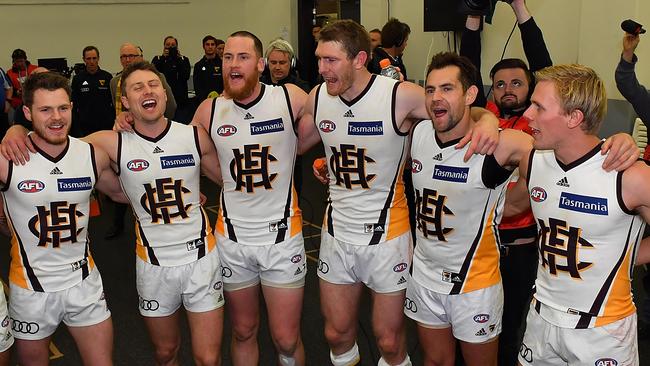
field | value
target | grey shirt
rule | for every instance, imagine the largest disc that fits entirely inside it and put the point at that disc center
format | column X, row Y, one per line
column 635, row 93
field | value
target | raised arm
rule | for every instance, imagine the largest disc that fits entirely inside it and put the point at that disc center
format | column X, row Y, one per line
column 531, row 37
column 627, row 82
column 470, row 47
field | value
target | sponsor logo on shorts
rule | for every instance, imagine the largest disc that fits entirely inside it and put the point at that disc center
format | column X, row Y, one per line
column 297, row 272
column 410, row 305
column 148, row 305
column 538, row 194
column 416, row 166
column 606, row 362
column 448, row 276
column 371, row 228
column 585, row 204
column 226, row 272
column 275, row 226
column 323, row 267
column 31, row 186
column 177, row 161
column 195, row 244
column 481, row 318
column 137, row 165
column 400, row 267
column 481, row 333
column 366, row 128
column 296, row 258
column 24, row 327
column 260, row 128
column 327, row 126
column 226, row 130
column 74, row 184
column 5, row 322
column 217, row 285
column 491, row 327
column 78, row 264
column 526, row 353
column 402, row 280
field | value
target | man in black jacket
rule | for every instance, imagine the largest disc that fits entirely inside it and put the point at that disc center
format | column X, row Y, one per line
column 176, row 69
column 394, row 38
column 207, row 74
column 93, row 108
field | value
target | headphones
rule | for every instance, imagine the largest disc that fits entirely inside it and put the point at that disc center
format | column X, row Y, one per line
column 282, row 46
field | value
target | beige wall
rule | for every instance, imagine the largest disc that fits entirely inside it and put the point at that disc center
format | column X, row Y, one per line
column 63, row 30
column 583, row 31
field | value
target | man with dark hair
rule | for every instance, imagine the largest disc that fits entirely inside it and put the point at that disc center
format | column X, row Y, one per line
column 394, row 38
column 375, row 38
column 176, row 69
column 53, row 277
column 159, row 165
column 207, row 74
column 259, row 226
column 92, row 103
column 366, row 239
column 512, row 85
column 21, row 68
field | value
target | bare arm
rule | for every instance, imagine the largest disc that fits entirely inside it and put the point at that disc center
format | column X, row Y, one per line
column 209, row 159
column 484, row 135
column 308, row 135
column 105, row 141
column 203, row 115
column 107, row 181
column 621, row 152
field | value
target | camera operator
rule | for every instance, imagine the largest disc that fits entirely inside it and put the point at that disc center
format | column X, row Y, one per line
column 176, row 69
column 93, row 108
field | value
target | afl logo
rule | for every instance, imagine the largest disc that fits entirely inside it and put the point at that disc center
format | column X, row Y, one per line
column 606, row 362
column 137, row 165
column 481, row 318
column 538, row 194
column 31, row 186
column 400, row 267
column 416, row 166
column 296, row 258
column 227, row 130
column 327, row 126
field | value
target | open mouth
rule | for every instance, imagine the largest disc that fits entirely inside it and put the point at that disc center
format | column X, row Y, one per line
column 236, row 76
column 149, row 104
column 439, row 112
column 56, row 127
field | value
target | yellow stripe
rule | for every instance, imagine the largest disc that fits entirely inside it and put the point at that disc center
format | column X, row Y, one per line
column 209, row 235
column 619, row 302
column 399, row 212
column 484, row 270
column 140, row 250
column 296, row 218
column 218, row 226
column 17, row 271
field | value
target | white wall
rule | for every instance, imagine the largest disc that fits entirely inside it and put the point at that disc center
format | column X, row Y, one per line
column 63, row 30
column 582, row 31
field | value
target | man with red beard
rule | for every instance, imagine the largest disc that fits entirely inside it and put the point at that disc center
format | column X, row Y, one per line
column 53, row 277
column 259, row 226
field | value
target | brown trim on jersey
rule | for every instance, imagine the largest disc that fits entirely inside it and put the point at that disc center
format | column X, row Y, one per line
column 330, row 221
column 585, row 157
column 195, row 130
column 393, row 102
column 94, row 163
column 316, row 103
column 585, row 318
column 254, row 101
column 224, row 213
column 157, row 138
column 282, row 233
column 444, row 145
column 202, row 250
column 214, row 106
column 362, row 94
column 458, row 286
column 493, row 174
column 619, row 194
column 286, row 95
column 377, row 235
column 31, row 276
column 145, row 243
column 54, row 159
column 529, row 167
column 10, row 169
column 119, row 153
column 85, row 271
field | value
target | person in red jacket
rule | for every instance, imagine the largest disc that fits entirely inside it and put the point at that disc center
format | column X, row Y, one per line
column 20, row 69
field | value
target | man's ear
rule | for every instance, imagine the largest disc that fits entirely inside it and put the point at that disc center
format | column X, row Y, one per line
column 28, row 113
column 470, row 95
column 576, row 118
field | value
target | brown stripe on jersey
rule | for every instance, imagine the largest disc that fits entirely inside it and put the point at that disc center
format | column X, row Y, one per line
column 145, row 243
column 119, row 153
column 377, row 235
column 10, row 169
column 231, row 229
column 393, row 101
column 286, row 96
column 214, row 106
column 195, row 130
column 92, row 160
column 282, row 232
column 22, row 263
column 470, row 254
column 330, row 223
column 609, row 285
column 84, row 267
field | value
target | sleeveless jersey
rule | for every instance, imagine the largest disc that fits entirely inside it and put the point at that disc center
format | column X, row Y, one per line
column 457, row 213
column 161, row 177
column 366, row 154
column 47, row 206
column 588, row 238
column 257, row 147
